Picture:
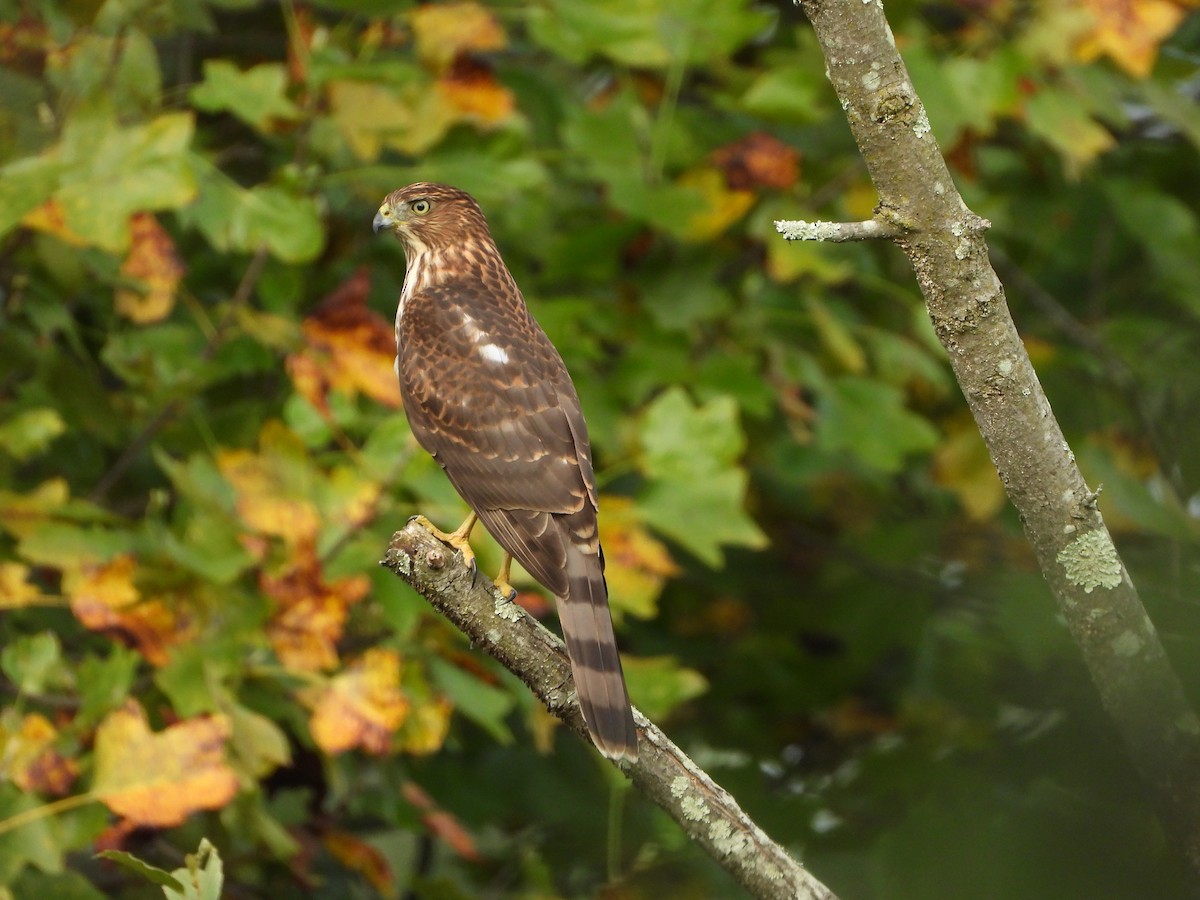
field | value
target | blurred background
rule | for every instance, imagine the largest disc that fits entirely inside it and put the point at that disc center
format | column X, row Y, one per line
column 821, row 590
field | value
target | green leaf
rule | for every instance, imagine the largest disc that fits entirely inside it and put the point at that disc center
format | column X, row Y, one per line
column 104, row 683
column 232, row 218
column 483, row 704
column 680, row 439
column 110, row 172
column 59, row 885
column 659, row 684
column 645, row 33
column 24, row 185
column 786, row 93
column 150, row 873
column 258, row 743
column 702, row 515
column 30, row 432
column 37, row 842
column 256, row 96
column 202, row 878
column 32, row 662
column 869, row 419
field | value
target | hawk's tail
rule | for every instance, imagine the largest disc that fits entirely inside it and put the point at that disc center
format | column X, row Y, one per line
column 599, row 681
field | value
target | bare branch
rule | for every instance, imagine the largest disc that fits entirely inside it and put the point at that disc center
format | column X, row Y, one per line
column 663, row 772
column 836, row 232
column 944, row 242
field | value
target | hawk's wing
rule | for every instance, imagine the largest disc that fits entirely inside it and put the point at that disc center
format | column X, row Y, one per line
column 489, row 397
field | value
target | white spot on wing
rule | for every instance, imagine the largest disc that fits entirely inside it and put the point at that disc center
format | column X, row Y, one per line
column 494, row 353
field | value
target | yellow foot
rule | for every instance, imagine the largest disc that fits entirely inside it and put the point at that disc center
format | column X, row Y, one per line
column 501, row 582
column 459, row 539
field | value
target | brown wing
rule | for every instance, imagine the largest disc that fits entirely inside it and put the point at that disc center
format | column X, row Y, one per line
column 489, row 397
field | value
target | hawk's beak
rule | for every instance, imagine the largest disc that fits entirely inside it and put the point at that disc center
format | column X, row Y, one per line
column 381, row 221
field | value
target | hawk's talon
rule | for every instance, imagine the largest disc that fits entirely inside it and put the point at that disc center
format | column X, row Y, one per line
column 459, row 539
column 501, row 582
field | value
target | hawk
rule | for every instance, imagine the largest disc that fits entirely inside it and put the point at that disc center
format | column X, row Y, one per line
column 489, row 397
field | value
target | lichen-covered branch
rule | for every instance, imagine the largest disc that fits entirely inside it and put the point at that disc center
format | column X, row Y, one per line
column 836, row 232
column 944, row 241
column 663, row 773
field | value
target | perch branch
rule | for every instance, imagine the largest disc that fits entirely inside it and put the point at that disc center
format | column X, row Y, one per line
column 944, row 242
column 663, row 772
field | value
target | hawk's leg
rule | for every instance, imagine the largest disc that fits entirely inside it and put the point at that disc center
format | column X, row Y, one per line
column 459, row 539
column 501, row 581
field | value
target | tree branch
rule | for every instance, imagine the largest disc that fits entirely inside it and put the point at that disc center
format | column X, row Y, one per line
column 663, row 772
column 944, row 242
column 836, row 232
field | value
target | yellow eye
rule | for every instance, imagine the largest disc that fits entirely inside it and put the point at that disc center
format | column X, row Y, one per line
column 420, row 207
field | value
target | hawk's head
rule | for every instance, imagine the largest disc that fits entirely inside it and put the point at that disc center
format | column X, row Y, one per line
column 426, row 216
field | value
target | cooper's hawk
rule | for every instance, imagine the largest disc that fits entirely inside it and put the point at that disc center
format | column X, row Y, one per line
column 489, row 397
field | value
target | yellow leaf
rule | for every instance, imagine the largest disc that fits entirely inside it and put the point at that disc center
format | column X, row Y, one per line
column 358, row 856
column 443, row 31
column 1129, row 32
column 159, row 779
column 104, row 598
column 15, row 589
column 29, row 759
column 153, row 261
column 274, row 486
column 962, row 465
column 638, row 564
column 50, row 218
column 361, row 707
column 21, row 514
column 724, row 206
column 836, row 337
column 426, row 726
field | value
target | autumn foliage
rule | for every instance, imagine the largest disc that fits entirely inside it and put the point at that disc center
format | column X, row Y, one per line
column 813, row 568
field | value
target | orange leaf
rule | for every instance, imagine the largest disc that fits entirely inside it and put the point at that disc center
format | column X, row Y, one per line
column 348, row 347
column 441, row 823
column 159, row 779
column 757, row 160
column 29, row 760
column 153, row 261
column 105, row 599
column 361, row 707
column 357, row 855
column 444, row 31
column 1129, row 32
column 471, row 88
column 310, row 613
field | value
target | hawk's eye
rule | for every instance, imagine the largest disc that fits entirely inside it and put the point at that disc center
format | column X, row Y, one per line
column 420, row 207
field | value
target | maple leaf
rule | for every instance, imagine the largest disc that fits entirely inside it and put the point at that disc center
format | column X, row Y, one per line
column 159, row 779
column 29, row 759
column 1129, row 31
column 154, row 262
column 50, row 218
column 362, row 706
column 104, row 598
column 348, row 347
column 310, row 612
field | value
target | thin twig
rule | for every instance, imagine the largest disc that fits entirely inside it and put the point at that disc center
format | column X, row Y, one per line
column 837, row 232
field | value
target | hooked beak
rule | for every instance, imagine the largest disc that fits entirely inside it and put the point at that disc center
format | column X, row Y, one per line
column 381, row 221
